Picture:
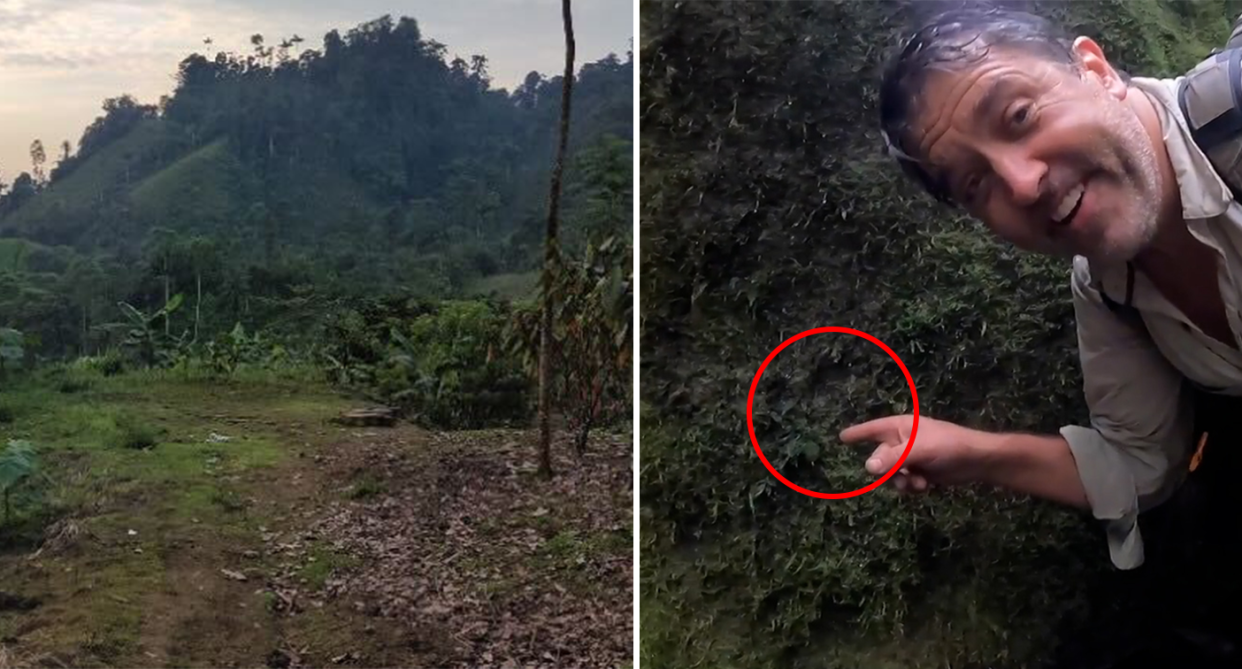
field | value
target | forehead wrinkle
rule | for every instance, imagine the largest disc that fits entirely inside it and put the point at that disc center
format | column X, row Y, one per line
column 985, row 105
column 959, row 91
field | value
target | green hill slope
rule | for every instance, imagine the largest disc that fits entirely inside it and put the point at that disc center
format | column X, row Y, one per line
column 201, row 190
column 75, row 210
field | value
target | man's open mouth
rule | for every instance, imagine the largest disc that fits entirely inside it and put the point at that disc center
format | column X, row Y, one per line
column 1068, row 207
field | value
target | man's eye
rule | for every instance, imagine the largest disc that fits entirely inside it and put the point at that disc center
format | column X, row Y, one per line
column 1021, row 114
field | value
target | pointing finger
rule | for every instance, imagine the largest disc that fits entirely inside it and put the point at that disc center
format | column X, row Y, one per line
column 880, row 429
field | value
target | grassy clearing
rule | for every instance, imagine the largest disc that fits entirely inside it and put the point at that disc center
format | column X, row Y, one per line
column 151, row 471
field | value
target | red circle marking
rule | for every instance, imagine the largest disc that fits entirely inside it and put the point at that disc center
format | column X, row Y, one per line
column 750, row 423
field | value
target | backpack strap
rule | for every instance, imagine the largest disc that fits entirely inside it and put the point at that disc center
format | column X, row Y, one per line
column 1235, row 37
column 1210, row 97
column 1124, row 309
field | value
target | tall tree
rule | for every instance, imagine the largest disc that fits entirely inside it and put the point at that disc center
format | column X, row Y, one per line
column 551, row 254
column 37, row 157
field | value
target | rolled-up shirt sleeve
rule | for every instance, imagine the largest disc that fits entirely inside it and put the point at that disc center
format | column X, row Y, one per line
column 1129, row 458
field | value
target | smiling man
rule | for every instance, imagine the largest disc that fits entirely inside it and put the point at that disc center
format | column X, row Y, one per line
column 1059, row 153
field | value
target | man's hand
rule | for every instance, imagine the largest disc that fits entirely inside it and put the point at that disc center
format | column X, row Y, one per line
column 942, row 454
column 947, row 454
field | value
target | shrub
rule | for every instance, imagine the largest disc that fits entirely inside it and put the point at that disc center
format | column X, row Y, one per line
column 448, row 367
column 442, row 363
column 111, row 364
column 135, row 434
column 591, row 349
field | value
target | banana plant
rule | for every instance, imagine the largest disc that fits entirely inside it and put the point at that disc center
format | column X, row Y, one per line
column 225, row 354
column 151, row 343
column 18, row 464
column 12, row 351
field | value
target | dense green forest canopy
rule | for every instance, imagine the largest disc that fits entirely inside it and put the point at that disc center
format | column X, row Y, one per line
column 769, row 208
column 271, row 184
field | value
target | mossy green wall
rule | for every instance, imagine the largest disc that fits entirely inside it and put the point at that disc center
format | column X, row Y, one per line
column 768, row 208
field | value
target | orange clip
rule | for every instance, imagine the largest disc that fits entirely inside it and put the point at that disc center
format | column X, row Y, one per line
column 1194, row 461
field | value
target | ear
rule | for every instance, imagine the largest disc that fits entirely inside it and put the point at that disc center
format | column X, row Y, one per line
column 1093, row 63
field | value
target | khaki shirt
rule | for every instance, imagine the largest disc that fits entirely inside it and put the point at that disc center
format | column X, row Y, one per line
column 1138, row 446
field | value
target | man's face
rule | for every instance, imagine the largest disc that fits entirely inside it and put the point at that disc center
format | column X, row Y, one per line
column 1052, row 160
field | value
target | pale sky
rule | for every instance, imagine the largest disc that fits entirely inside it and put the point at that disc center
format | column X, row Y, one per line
column 59, row 59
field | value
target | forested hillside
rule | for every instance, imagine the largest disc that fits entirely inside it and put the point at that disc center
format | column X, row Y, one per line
column 285, row 178
column 769, row 208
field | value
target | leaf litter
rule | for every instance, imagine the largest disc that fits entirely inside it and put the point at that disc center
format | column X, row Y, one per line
column 467, row 546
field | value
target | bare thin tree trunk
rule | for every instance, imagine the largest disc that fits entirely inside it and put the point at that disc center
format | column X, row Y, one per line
column 551, row 254
column 167, row 321
column 198, row 302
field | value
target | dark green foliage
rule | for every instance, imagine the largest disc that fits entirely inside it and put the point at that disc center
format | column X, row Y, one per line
column 769, row 208
column 358, row 339
column 442, row 363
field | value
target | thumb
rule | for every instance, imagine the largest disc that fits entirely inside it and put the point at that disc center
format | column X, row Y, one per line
column 884, row 457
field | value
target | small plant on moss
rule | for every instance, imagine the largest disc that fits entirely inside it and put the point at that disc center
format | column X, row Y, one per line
column 322, row 563
column 228, row 500
column 270, row 602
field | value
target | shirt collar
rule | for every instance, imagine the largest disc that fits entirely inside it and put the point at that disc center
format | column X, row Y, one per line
column 1204, row 194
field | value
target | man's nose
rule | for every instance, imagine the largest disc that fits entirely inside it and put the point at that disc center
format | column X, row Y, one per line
column 1022, row 174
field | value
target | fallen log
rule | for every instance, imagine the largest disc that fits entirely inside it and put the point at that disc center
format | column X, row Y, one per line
column 373, row 417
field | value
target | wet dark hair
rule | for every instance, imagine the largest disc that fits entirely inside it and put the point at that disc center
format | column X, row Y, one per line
column 955, row 37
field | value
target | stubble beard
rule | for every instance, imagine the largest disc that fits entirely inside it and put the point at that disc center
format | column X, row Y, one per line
column 1137, row 179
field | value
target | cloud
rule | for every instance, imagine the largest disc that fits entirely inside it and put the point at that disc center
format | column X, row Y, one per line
column 37, row 60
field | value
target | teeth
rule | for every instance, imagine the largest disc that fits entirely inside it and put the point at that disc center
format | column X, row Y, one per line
column 1067, row 204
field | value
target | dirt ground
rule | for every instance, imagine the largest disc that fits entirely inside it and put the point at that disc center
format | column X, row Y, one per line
column 299, row 543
